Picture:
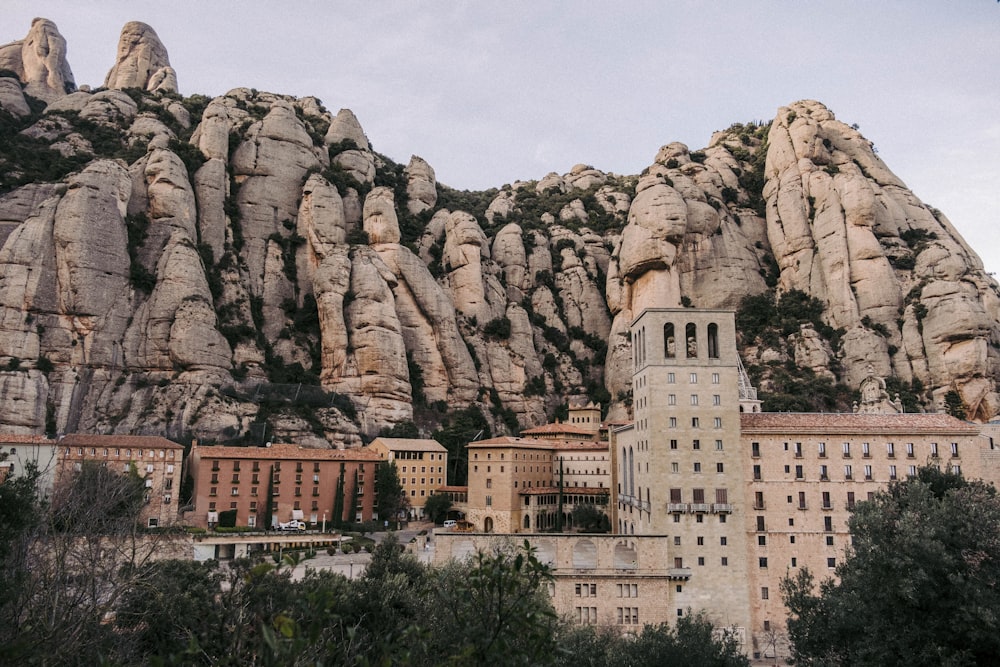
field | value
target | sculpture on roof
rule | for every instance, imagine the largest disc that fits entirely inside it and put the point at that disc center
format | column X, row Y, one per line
column 874, row 397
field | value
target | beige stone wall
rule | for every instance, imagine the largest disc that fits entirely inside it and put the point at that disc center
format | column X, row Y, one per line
column 598, row 577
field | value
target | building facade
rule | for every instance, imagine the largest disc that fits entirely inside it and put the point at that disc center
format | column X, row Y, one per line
column 157, row 460
column 301, row 482
column 19, row 451
column 422, row 466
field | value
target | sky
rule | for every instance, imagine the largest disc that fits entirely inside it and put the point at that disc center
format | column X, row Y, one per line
column 493, row 92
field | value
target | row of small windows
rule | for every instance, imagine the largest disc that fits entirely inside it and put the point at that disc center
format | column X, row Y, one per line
column 868, row 475
column 670, row 342
column 866, row 449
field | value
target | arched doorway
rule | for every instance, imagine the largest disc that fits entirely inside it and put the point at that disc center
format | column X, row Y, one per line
column 488, row 524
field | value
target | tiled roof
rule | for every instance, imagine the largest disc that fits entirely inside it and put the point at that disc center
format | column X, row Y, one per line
column 411, row 444
column 559, row 428
column 816, row 422
column 89, row 440
column 10, row 439
column 286, row 452
column 516, row 443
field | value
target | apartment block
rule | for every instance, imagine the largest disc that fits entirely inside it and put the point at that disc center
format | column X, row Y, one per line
column 302, row 483
column 422, row 465
column 157, row 460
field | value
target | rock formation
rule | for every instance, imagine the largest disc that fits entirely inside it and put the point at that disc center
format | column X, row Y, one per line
column 249, row 267
column 141, row 62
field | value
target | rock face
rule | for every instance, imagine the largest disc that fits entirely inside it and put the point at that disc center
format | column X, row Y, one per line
column 250, row 268
column 141, row 62
column 39, row 60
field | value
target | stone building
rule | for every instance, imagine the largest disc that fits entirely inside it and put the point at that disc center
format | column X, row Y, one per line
column 301, row 481
column 155, row 459
column 18, row 451
column 422, row 465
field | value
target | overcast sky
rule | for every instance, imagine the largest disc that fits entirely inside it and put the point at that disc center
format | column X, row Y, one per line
column 489, row 93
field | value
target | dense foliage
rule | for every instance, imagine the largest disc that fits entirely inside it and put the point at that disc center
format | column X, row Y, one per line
column 920, row 584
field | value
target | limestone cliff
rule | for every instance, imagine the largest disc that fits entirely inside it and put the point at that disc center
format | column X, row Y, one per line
column 249, row 268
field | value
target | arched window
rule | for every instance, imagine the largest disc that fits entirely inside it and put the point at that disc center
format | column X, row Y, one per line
column 691, row 340
column 669, row 341
column 488, row 525
column 527, row 522
column 631, row 472
column 713, row 341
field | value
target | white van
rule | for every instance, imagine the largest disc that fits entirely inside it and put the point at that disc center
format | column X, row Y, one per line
column 449, row 524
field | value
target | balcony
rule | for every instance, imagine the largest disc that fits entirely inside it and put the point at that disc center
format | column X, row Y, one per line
column 722, row 508
column 679, row 573
column 677, row 508
column 697, row 508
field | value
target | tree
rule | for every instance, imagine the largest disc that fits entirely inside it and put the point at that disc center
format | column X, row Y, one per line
column 920, row 586
column 492, row 610
column 390, row 499
column 590, row 519
column 436, row 507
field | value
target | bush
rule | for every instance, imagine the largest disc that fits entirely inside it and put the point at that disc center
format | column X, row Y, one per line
column 498, row 329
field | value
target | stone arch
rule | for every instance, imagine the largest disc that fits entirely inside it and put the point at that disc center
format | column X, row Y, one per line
column 488, row 524
column 713, row 341
column 669, row 341
column 585, row 555
column 626, row 556
column 691, row 340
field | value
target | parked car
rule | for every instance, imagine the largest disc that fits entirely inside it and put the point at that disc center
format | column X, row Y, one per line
column 292, row 525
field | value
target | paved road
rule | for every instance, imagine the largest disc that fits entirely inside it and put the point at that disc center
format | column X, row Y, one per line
column 353, row 565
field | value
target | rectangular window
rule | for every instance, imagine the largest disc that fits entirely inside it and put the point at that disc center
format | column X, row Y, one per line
column 718, row 445
column 892, row 472
column 850, row 500
column 697, row 467
column 826, row 500
column 671, row 399
column 956, row 470
column 719, row 467
column 715, row 378
column 695, row 423
column 673, row 444
column 802, row 500
column 764, row 593
column 755, row 449
column 909, row 450
column 822, row 450
column 798, row 450
column 762, row 540
column 831, row 562
column 694, row 399
column 762, row 562
column 716, row 399
column 934, row 450
column 828, row 524
column 675, row 467
column 718, row 422
column 798, row 472
column 725, row 561
column 696, row 444
column 673, row 422
column 756, row 472
column 911, row 471
column 848, row 472
column 954, row 449
column 847, row 450
column 671, row 378
column 868, row 473
column 693, row 378
column 489, row 501
column 890, row 449
column 758, row 503
column 866, row 451
column 760, row 524
column 823, row 475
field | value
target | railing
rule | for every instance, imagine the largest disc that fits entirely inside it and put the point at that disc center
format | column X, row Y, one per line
column 679, row 573
column 722, row 508
column 700, row 507
column 677, row 508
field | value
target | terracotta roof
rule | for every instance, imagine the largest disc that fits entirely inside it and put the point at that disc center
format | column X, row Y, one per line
column 516, row 443
column 10, row 439
column 88, row 440
column 411, row 444
column 286, row 452
column 822, row 423
column 567, row 490
column 559, row 428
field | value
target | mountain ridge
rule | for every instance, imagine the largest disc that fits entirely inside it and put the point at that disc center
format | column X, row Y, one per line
column 177, row 257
